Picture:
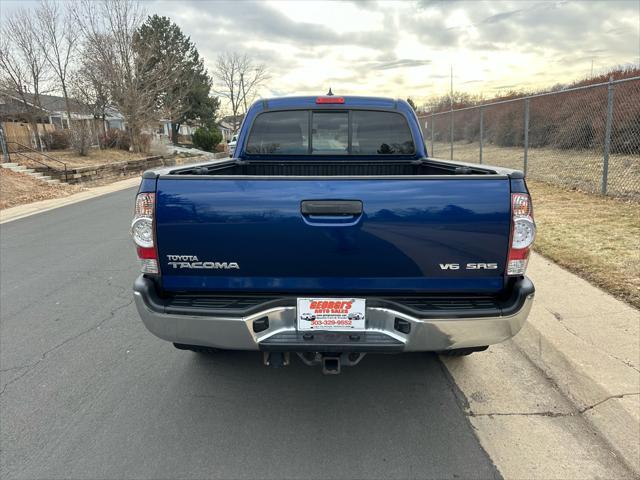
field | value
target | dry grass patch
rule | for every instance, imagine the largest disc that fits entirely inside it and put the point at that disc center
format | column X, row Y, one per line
column 595, row 237
column 580, row 169
column 19, row 189
column 96, row 157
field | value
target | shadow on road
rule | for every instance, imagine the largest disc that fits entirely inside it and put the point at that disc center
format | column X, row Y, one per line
column 390, row 416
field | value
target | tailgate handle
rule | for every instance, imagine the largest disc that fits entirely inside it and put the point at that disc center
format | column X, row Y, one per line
column 331, row 207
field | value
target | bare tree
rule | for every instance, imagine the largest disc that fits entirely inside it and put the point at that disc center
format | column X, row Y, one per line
column 90, row 87
column 23, row 65
column 110, row 28
column 238, row 79
column 58, row 38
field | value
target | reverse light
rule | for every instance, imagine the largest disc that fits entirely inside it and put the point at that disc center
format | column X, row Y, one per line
column 523, row 233
column 142, row 232
column 329, row 99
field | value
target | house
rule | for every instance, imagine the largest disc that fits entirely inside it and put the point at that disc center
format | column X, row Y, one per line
column 229, row 125
column 163, row 129
column 52, row 109
column 49, row 113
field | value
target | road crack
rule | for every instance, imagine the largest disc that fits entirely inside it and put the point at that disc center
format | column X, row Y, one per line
column 43, row 356
column 521, row 414
column 560, row 320
column 610, row 397
column 471, row 413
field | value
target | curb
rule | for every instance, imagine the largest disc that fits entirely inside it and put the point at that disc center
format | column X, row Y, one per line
column 21, row 211
column 611, row 414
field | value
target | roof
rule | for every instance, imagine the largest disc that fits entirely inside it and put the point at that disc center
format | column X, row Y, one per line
column 54, row 103
column 230, row 119
column 349, row 100
column 11, row 104
column 51, row 103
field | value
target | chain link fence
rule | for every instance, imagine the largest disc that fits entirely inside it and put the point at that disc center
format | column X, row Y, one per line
column 586, row 137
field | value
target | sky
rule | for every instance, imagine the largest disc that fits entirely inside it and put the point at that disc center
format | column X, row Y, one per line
column 408, row 48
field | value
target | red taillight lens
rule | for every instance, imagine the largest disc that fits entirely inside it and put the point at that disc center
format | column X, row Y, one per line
column 330, row 100
column 523, row 233
column 142, row 232
column 146, row 253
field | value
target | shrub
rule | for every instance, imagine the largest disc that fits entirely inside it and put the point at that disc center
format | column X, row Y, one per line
column 114, row 138
column 56, row 140
column 206, row 139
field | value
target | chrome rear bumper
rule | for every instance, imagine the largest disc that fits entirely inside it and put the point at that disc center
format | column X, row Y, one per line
column 386, row 327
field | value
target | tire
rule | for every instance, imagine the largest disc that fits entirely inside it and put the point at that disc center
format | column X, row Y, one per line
column 462, row 352
column 197, row 348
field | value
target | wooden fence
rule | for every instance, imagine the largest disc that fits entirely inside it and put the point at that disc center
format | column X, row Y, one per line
column 20, row 132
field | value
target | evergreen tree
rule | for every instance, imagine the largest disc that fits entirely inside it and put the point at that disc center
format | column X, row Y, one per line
column 186, row 96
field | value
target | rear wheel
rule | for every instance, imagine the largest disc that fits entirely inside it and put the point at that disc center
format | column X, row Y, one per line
column 197, row 348
column 462, row 352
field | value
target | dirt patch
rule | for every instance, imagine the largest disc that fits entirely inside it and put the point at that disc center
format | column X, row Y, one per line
column 19, row 189
column 95, row 157
column 593, row 236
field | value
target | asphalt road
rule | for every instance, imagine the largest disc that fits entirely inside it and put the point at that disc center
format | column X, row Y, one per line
column 87, row 392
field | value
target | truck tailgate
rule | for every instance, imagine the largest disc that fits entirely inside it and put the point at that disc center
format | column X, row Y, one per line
column 333, row 235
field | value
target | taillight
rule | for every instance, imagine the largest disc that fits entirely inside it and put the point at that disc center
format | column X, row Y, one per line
column 523, row 233
column 329, row 99
column 142, row 232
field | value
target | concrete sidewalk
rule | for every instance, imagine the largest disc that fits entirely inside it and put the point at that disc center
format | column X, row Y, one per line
column 21, row 211
column 588, row 343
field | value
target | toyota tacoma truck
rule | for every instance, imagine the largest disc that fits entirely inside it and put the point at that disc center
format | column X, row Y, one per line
column 331, row 234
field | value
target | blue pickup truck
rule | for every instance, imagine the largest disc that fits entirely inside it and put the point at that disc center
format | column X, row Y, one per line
column 331, row 234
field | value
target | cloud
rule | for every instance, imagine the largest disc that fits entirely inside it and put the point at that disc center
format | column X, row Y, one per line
column 400, row 63
column 498, row 17
column 405, row 48
column 260, row 20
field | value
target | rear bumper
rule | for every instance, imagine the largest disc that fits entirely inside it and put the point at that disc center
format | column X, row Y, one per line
column 390, row 328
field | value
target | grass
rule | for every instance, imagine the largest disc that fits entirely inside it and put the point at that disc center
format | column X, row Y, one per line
column 19, row 189
column 580, row 169
column 595, row 237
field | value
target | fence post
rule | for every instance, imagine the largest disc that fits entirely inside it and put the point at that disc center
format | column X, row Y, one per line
column 451, row 135
column 433, row 127
column 526, row 135
column 607, row 137
column 481, row 130
column 3, row 144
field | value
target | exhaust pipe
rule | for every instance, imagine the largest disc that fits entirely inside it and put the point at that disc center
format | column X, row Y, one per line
column 330, row 365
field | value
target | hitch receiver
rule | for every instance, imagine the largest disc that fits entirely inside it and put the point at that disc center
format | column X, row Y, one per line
column 331, row 365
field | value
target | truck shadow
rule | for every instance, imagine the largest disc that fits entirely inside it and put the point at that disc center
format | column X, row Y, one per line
column 389, row 416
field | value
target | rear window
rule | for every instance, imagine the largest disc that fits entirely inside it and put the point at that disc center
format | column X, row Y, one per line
column 284, row 133
column 355, row 132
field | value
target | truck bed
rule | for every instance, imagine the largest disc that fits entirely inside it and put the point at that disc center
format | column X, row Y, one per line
column 352, row 168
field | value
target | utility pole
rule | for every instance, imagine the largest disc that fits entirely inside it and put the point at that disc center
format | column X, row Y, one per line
column 451, row 105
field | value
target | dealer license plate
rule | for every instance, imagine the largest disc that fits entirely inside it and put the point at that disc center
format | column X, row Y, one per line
column 337, row 314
